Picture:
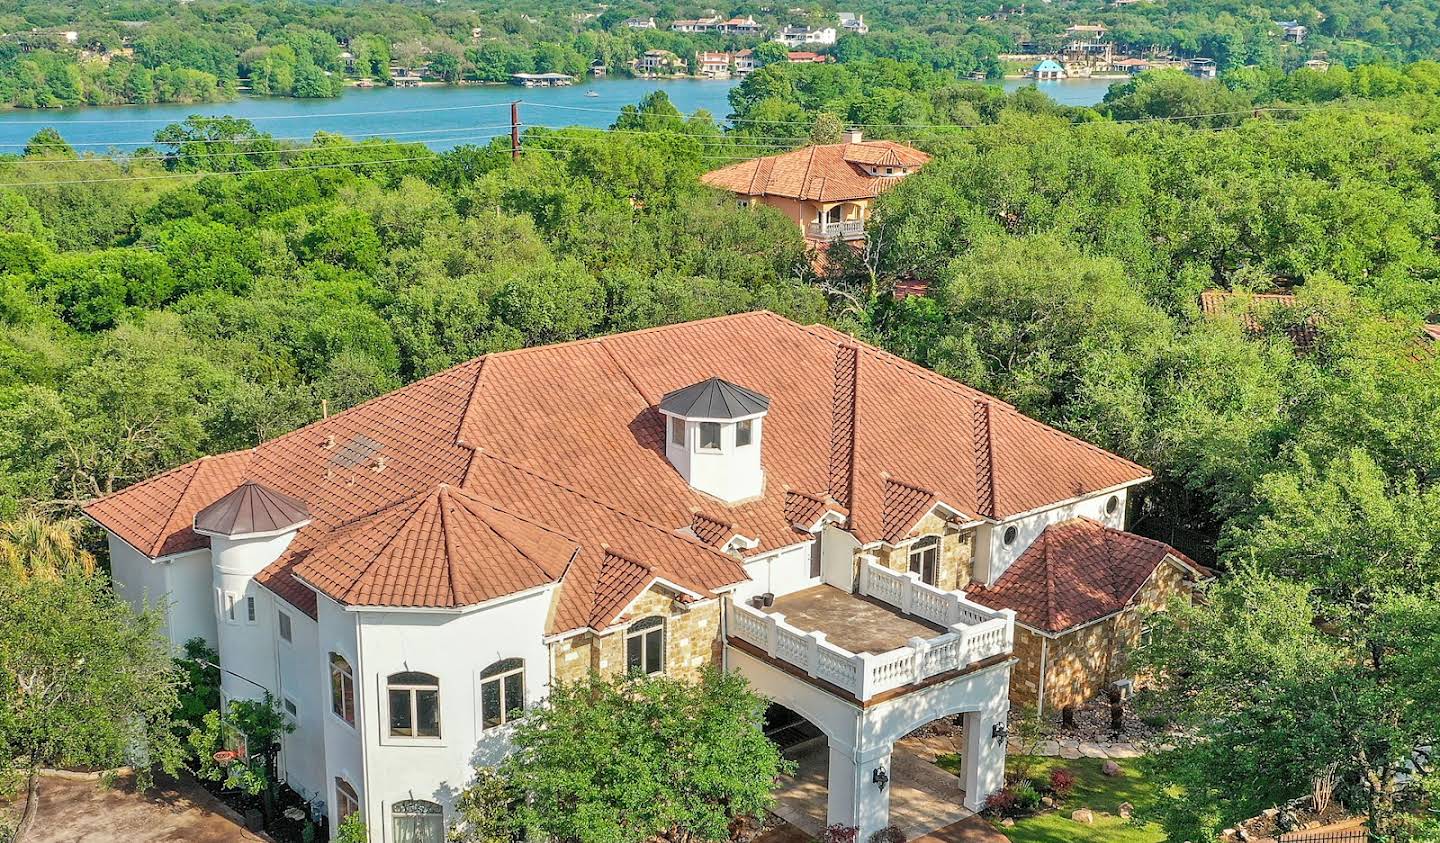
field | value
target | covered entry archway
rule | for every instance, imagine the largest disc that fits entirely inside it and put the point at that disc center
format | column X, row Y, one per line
column 854, row 758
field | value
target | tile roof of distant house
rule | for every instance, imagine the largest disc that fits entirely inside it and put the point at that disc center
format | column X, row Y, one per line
column 1432, row 331
column 714, row 398
column 252, row 509
column 568, row 439
column 825, row 173
column 1077, row 572
column 1302, row 334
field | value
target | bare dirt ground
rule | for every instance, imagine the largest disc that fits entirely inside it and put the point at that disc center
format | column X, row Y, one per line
column 170, row 812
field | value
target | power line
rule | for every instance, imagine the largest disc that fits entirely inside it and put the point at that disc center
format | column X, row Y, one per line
column 423, row 110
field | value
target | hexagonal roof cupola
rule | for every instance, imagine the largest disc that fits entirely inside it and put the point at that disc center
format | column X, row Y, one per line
column 713, row 434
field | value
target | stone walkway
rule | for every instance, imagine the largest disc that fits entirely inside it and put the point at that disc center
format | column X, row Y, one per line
column 930, row 747
column 175, row 812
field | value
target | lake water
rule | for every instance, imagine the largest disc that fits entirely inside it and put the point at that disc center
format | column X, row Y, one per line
column 442, row 117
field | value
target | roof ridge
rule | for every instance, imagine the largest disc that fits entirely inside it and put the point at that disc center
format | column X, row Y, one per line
column 984, row 447
column 844, row 398
column 1050, row 611
column 442, row 497
column 625, row 373
column 474, row 499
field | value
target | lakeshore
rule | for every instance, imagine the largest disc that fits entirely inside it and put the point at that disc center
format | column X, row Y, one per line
column 441, row 116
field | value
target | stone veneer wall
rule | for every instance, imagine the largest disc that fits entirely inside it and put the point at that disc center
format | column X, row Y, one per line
column 957, row 549
column 692, row 641
column 1081, row 664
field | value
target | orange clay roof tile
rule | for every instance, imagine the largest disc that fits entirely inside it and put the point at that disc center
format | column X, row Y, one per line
column 845, row 418
column 824, row 173
column 1076, row 572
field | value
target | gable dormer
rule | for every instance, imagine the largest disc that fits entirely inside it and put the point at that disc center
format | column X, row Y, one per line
column 713, row 436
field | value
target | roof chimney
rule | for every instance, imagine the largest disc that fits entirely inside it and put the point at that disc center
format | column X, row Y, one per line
column 853, row 136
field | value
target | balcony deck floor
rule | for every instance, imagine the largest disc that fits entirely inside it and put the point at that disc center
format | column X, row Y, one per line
column 858, row 624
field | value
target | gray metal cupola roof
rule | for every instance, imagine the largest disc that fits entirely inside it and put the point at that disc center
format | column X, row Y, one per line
column 252, row 509
column 714, row 398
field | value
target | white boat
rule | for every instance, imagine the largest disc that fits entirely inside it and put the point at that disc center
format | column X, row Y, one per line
column 591, row 94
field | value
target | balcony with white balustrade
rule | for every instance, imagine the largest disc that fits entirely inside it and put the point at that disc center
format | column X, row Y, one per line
column 896, row 632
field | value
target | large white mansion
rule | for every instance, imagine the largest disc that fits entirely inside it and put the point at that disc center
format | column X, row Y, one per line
column 411, row 575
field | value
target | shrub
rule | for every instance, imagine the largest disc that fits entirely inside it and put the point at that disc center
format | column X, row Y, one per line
column 1001, row 803
column 1062, row 783
column 888, row 834
column 840, row 833
column 1027, row 798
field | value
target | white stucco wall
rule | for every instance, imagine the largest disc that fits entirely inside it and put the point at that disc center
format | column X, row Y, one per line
column 182, row 581
column 993, row 557
column 337, row 632
column 298, row 662
column 782, row 572
column 455, row 648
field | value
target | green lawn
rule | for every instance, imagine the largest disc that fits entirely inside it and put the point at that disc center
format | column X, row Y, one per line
column 1093, row 790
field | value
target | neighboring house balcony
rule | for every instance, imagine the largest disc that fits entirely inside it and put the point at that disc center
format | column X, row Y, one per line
column 843, row 230
column 894, row 633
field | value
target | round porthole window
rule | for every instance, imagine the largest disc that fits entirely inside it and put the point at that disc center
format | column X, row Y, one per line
column 1010, row 533
column 1112, row 504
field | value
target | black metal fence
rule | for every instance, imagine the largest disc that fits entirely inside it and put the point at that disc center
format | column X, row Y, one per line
column 1349, row 835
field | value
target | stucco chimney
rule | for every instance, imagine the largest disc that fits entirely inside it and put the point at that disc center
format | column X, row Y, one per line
column 854, row 136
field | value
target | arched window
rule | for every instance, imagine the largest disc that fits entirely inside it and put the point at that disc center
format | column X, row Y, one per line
column 502, row 692
column 925, row 558
column 645, row 646
column 414, row 705
column 417, row 821
column 347, row 801
column 342, row 688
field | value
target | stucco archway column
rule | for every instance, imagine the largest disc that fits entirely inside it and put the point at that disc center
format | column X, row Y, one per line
column 984, row 756
column 855, row 799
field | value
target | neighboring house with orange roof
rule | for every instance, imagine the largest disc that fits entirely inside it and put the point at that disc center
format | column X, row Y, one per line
column 1254, row 309
column 411, row 575
column 826, row 189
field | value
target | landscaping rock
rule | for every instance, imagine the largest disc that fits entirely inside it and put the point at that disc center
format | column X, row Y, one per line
column 1111, row 769
column 1093, row 750
column 1083, row 815
column 1069, row 752
column 1125, row 810
column 1124, row 750
column 1008, row 823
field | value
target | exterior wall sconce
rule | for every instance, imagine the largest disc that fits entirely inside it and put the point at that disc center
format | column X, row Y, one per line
column 999, row 732
column 880, row 777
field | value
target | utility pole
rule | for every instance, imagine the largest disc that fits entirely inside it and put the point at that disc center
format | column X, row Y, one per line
column 515, row 130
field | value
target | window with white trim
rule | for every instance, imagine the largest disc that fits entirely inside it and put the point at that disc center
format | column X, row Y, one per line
column 744, row 433
column 502, row 692
column 249, row 610
column 414, row 699
column 677, row 430
column 645, row 646
column 417, row 821
column 283, row 623
column 292, row 709
column 925, row 558
column 709, row 436
column 342, row 688
column 347, row 801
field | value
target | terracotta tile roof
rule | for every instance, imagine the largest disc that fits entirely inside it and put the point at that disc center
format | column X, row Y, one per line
column 154, row 516
column 1432, row 331
column 1076, row 572
column 904, row 505
column 848, row 425
column 804, row 510
column 825, row 173
column 710, row 530
column 1252, row 310
column 444, row 548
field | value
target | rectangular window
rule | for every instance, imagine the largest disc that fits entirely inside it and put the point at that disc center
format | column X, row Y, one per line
column 709, row 436
column 230, row 606
column 401, row 721
column 744, row 433
column 815, row 559
column 291, row 708
column 249, row 609
column 645, row 649
column 285, row 631
column 502, row 693
column 925, row 559
column 677, row 431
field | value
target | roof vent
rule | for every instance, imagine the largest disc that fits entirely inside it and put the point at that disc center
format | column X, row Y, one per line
column 713, row 435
